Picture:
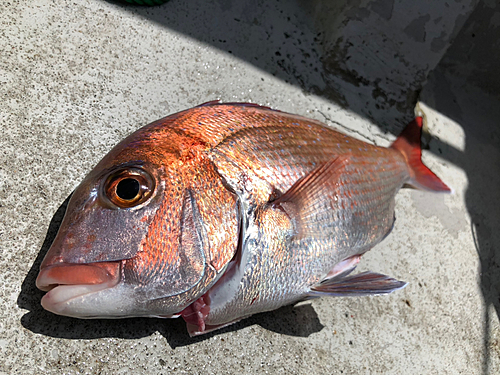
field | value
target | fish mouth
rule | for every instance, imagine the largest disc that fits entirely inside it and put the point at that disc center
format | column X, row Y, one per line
column 65, row 282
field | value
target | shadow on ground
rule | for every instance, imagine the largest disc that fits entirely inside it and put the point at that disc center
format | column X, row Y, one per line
column 285, row 39
column 478, row 114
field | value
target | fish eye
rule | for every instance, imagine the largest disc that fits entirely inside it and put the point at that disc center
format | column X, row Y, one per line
column 128, row 187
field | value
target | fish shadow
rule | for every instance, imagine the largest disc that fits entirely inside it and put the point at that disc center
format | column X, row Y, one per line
column 300, row 321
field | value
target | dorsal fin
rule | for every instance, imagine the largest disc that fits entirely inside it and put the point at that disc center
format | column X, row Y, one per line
column 239, row 104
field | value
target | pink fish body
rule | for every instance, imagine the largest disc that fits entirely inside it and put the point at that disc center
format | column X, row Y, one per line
column 226, row 210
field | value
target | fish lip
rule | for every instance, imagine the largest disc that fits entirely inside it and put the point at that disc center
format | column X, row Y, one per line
column 58, row 297
column 65, row 274
column 75, row 280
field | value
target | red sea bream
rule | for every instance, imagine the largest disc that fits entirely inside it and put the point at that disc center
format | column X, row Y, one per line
column 226, row 210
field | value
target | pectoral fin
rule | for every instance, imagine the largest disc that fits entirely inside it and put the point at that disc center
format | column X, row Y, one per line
column 313, row 199
column 315, row 184
column 366, row 283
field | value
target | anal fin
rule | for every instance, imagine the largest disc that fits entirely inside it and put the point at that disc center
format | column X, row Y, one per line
column 362, row 284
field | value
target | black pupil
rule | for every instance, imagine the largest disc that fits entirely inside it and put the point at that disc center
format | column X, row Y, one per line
column 127, row 189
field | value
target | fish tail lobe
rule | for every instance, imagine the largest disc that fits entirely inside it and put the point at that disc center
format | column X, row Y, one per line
column 408, row 144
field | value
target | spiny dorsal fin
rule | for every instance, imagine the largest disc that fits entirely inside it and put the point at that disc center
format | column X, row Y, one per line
column 238, row 104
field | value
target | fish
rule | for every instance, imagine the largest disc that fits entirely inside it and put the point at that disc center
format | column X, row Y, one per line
column 226, row 210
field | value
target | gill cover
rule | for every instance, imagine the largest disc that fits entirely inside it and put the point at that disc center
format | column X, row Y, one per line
column 192, row 237
column 157, row 204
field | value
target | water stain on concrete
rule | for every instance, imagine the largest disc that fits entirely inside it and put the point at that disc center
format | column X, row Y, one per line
column 416, row 29
column 430, row 204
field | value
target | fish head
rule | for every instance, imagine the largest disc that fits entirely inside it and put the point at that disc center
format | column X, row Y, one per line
column 132, row 239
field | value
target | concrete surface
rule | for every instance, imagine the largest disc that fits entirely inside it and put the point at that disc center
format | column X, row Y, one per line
column 78, row 76
column 376, row 54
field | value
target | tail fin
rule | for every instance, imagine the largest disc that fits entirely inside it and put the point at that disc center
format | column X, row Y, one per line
column 408, row 143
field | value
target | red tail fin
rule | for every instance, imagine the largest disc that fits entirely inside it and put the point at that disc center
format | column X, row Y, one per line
column 408, row 143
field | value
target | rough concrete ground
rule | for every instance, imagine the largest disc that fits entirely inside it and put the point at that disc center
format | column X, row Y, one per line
column 77, row 77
